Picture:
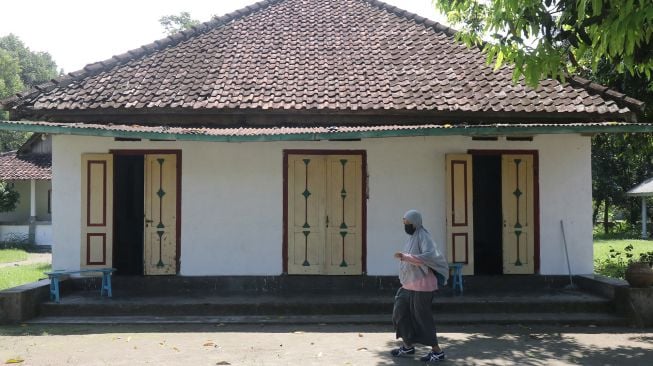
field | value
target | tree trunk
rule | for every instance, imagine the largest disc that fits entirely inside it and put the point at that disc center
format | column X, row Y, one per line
column 595, row 212
column 606, row 219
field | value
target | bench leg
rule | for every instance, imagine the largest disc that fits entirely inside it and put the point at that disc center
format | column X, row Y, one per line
column 54, row 289
column 106, row 284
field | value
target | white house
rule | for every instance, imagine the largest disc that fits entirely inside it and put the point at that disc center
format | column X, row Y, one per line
column 290, row 137
column 28, row 171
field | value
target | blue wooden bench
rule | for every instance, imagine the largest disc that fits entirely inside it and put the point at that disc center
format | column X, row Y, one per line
column 56, row 275
column 456, row 276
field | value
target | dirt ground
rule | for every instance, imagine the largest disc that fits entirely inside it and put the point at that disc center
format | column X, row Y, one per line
column 317, row 345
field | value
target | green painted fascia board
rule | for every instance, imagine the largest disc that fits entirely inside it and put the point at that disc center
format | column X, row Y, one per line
column 444, row 131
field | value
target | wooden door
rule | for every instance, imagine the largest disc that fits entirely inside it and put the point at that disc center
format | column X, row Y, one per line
column 324, row 214
column 160, row 243
column 306, row 214
column 97, row 211
column 343, row 215
column 518, row 211
column 459, row 215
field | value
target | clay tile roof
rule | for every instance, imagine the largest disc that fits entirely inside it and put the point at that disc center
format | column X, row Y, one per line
column 14, row 166
column 325, row 56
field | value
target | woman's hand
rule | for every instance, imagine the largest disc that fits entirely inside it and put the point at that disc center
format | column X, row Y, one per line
column 399, row 255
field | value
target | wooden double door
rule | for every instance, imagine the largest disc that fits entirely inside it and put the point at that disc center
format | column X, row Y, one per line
column 515, row 212
column 324, row 214
column 155, row 220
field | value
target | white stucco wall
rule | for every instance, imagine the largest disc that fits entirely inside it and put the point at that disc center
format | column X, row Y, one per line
column 232, row 198
column 22, row 212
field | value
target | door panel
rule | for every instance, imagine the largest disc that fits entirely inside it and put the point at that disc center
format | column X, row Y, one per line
column 344, row 189
column 306, row 190
column 97, row 211
column 460, row 235
column 517, row 207
column 160, row 243
column 325, row 214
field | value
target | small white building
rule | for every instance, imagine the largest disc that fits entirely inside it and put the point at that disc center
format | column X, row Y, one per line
column 290, row 137
column 28, row 170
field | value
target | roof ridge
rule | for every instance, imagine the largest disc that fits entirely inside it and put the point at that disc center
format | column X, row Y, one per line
column 142, row 51
column 607, row 92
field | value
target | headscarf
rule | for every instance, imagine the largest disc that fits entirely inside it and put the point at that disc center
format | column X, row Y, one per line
column 422, row 246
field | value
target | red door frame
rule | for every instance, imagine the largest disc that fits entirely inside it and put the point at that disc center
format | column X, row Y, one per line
column 536, row 193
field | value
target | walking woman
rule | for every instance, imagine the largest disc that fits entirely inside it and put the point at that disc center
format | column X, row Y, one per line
column 422, row 268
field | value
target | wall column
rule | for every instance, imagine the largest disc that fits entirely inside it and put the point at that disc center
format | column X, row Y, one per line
column 644, row 218
column 32, row 211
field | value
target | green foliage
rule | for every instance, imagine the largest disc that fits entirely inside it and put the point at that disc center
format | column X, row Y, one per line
column 20, row 69
column 175, row 23
column 8, row 197
column 612, row 257
column 35, row 67
column 619, row 162
column 12, row 255
column 20, row 275
column 10, row 69
column 547, row 38
column 12, row 140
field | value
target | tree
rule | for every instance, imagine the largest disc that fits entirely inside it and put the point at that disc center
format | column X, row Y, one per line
column 175, row 23
column 20, row 69
column 35, row 67
column 549, row 38
column 8, row 197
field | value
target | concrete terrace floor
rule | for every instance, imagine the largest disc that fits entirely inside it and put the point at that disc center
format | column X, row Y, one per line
column 317, row 344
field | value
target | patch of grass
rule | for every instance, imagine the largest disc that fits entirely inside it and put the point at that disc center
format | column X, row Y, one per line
column 19, row 275
column 12, row 255
column 602, row 247
column 611, row 257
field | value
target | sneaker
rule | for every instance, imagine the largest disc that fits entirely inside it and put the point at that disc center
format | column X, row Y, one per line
column 433, row 357
column 401, row 351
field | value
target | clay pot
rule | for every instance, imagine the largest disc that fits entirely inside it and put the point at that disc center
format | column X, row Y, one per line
column 639, row 274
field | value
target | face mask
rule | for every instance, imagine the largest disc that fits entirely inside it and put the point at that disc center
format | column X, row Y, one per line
column 409, row 228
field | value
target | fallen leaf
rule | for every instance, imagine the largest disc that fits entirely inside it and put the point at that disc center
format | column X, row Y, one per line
column 362, row 349
column 14, row 360
column 176, row 349
column 209, row 344
column 360, row 334
column 223, row 363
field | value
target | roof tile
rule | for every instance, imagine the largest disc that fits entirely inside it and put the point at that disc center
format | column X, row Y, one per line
column 315, row 54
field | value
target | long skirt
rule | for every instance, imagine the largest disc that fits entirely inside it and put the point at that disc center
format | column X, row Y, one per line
column 412, row 317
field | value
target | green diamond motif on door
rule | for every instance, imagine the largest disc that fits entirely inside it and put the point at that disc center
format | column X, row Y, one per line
column 160, row 227
column 306, row 226
column 517, row 226
column 343, row 225
column 344, row 262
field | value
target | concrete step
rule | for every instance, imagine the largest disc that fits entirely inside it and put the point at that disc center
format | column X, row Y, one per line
column 90, row 304
column 586, row 319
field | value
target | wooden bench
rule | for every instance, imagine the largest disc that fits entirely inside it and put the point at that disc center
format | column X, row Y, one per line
column 56, row 275
column 456, row 276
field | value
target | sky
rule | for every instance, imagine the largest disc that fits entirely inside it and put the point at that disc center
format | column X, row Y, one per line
column 80, row 32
